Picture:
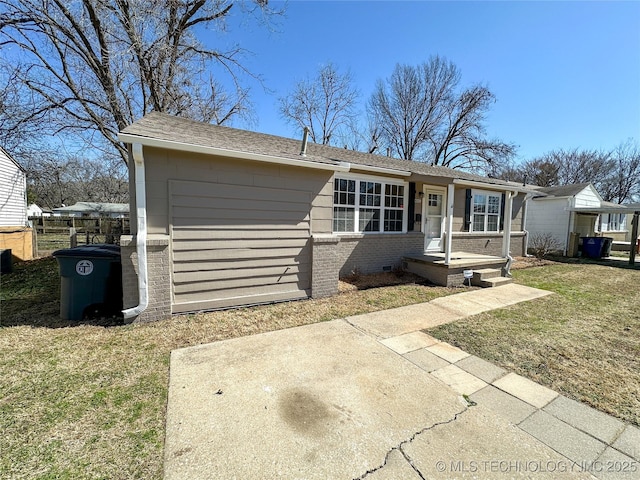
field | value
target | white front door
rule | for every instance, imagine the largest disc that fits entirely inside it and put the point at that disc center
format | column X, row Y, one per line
column 434, row 213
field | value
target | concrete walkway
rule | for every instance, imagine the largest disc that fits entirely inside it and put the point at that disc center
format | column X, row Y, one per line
column 373, row 397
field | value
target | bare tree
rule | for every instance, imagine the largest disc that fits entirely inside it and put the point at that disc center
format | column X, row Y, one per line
column 94, row 66
column 324, row 104
column 614, row 173
column 460, row 141
column 13, row 106
column 623, row 182
column 410, row 104
column 358, row 136
column 55, row 179
column 421, row 116
column 543, row 172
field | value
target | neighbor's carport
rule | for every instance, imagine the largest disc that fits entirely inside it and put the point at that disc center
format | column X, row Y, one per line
column 617, row 209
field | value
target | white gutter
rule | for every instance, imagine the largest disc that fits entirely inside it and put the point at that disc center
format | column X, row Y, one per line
column 487, row 185
column 223, row 152
column 388, row 171
column 141, row 234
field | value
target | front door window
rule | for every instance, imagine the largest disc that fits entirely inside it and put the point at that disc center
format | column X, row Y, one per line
column 434, row 219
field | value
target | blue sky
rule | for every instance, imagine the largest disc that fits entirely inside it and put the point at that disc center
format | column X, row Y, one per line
column 565, row 74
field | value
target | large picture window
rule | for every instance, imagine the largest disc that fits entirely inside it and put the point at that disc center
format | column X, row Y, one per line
column 367, row 205
column 486, row 211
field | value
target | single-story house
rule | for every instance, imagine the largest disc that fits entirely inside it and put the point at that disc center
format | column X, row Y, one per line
column 15, row 234
column 94, row 210
column 224, row 217
column 570, row 212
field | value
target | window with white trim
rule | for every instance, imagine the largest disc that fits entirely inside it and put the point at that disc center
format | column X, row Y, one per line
column 368, row 205
column 616, row 222
column 485, row 211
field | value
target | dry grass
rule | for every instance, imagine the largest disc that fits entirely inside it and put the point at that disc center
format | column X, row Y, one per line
column 88, row 400
column 583, row 342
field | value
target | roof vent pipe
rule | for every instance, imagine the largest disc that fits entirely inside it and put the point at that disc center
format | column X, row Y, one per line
column 305, row 138
column 388, row 151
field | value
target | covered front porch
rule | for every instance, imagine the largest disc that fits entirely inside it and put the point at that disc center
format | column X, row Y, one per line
column 463, row 235
column 449, row 270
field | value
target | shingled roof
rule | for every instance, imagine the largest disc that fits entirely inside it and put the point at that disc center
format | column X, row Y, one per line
column 563, row 190
column 161, row 126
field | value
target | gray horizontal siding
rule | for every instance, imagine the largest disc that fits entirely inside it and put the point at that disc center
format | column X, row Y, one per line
column 235, row 245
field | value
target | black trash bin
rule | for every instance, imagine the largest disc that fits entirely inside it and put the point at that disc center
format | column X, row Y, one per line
column 606, row 247
column 90, row 281
column 6, row 263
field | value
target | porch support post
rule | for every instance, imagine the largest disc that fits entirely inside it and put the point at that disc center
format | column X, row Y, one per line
column 634, row 237
column 506, row 238
column 449, row 227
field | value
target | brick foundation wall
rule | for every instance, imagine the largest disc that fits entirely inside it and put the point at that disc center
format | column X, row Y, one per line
column 371, row 253
column 487, row 244
column 325, row 266
column 159, row 276
column 441, row 274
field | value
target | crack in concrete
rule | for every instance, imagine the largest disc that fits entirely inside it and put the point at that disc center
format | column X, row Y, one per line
column 400, row 446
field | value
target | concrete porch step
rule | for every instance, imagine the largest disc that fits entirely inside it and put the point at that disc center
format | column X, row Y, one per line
column 489, row 277
column 485, row 273
column 495, row 282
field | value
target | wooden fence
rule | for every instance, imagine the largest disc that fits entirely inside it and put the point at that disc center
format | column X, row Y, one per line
column 54, row 233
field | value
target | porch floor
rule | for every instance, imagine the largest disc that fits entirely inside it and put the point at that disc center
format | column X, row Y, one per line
column 458, row 259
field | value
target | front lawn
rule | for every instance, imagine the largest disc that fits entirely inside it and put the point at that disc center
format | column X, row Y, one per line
column 583, row 342
column 89, row 400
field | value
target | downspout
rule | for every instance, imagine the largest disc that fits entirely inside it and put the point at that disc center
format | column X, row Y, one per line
column 141, row 234
column 525, row 207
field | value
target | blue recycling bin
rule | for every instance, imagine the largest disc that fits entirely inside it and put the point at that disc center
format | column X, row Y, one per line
column 592, row 247
column 90, row 281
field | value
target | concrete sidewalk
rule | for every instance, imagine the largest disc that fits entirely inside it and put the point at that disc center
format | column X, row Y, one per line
column 373, row 397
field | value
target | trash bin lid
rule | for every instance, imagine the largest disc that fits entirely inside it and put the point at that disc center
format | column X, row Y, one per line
column 95, row 251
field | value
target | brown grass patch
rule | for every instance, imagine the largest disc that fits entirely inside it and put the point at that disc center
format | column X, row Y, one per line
column 382, row 279
column 89, row 401
column 583, row 342
column 520, row 263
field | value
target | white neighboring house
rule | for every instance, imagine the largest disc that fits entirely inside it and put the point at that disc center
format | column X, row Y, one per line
column 34, row 210
column 94, row 209
column 556, row 212
column 13, row 192
column 574, row 209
